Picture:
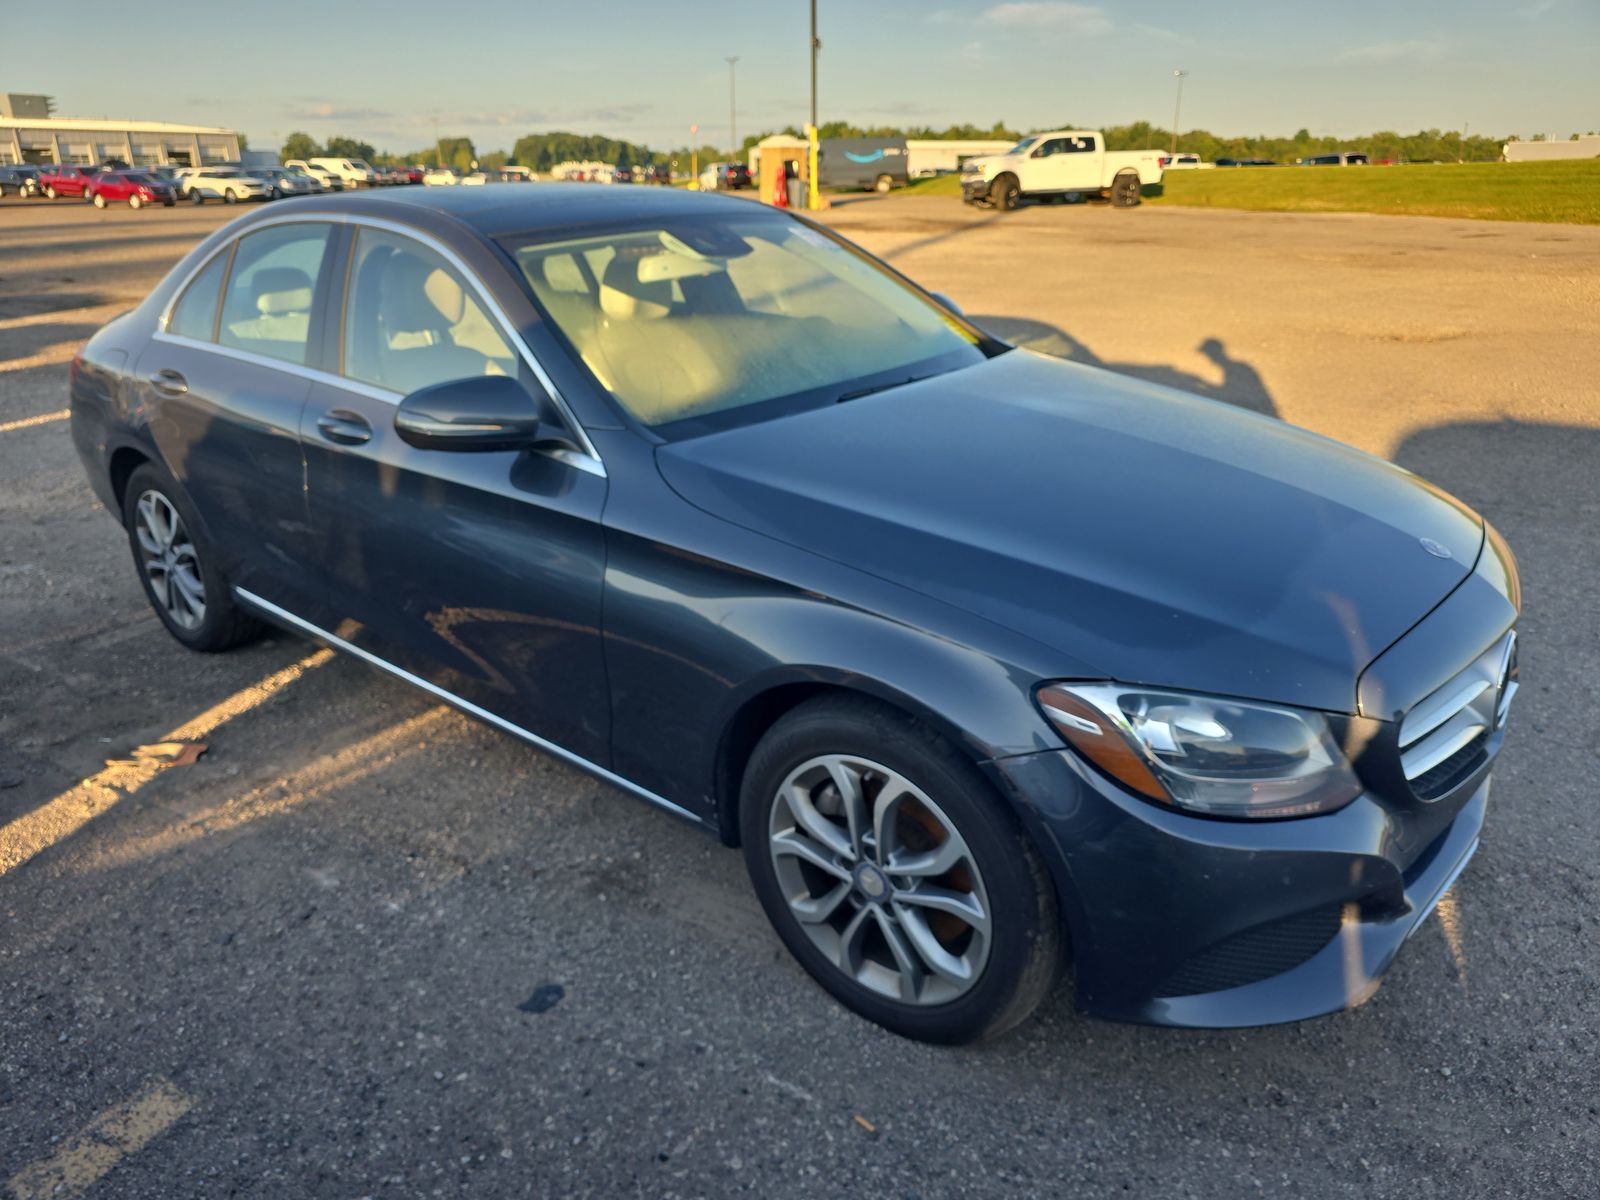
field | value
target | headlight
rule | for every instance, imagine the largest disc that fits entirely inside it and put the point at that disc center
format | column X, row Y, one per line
column 1205, row 754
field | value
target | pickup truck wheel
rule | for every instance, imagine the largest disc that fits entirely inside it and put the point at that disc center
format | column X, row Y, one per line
column 882, row 184
column 1125, row 191
column 1004, row 193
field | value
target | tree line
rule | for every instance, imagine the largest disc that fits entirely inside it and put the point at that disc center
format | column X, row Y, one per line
column 541, row 151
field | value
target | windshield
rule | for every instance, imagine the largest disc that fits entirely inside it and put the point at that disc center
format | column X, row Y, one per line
column 704, row 323
column 1023, row 146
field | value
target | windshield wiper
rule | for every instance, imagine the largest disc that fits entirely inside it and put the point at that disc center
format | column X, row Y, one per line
column 880, row 387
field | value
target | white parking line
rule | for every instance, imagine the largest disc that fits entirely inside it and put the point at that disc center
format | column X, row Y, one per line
column 30, row 422
column 86, row 1156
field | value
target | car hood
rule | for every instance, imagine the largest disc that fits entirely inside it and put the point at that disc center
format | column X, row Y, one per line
column 1162, row 538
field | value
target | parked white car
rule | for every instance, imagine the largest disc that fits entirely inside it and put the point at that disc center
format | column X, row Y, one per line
column 441, row 177
column 1184, row 162
column 228, row 184
column 1069, row 163
column 329, row 181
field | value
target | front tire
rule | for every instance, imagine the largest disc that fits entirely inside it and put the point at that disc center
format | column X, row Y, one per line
column 895, row 875
column 134, row 202
column 230, row 197
column 98, row 201
column 1005, row 193
column 177, row 566
column 50, row 192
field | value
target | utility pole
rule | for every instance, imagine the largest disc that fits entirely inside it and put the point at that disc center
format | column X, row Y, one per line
column 1176, row 109
column 733, row 118
column 813, row 190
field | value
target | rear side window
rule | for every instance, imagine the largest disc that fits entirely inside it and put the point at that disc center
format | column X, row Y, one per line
column 195, row 315
column 267, row 306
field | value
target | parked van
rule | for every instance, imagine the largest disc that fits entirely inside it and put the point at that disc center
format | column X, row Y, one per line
column 354, row 172
column 1335, row 160
column 876, row 163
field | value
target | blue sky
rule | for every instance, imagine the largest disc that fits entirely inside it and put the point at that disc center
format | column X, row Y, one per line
column 647, row 69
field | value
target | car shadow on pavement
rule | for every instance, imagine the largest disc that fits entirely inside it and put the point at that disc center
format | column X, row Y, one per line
column 29, row 340
column 1241, row 385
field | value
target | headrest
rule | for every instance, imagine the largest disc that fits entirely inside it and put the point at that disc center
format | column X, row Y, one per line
column 418, row 296
column 445, row 294
column 281, row 290
column 624, row 297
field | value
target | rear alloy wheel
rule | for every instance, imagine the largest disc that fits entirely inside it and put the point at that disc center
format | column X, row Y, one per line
column 135, row 202
column 99, row 200
column 1126, row 191
column 181, row 580
column 1004, row 193
column 894, row 874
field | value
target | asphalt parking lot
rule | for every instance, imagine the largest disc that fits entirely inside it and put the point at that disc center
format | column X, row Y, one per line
column 366, row 947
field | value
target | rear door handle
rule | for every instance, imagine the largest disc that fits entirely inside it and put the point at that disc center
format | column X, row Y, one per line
column 345, row 427
column 169, row 382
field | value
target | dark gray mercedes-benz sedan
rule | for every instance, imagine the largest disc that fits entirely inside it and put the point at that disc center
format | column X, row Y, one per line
column 992, row 663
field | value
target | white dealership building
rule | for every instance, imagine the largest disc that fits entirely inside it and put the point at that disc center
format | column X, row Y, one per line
column 30, row 133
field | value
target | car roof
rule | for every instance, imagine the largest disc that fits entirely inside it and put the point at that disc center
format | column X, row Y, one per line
column 495, row 211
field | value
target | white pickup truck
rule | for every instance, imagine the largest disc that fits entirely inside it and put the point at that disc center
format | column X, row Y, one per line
column 1067, row 164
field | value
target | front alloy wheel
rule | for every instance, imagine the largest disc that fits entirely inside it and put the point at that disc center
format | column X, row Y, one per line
column 880, row 879
column 895, row 874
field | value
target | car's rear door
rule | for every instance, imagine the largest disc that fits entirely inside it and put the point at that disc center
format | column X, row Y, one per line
column 479, row 573
column 226, row 376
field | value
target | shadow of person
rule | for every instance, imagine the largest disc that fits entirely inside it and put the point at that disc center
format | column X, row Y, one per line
column 1241, row 385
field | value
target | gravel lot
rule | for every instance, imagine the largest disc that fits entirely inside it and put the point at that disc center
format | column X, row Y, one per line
column 365, row 947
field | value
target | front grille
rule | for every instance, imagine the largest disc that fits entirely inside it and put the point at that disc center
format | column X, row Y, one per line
column 1445, row 737
column 1255, row 954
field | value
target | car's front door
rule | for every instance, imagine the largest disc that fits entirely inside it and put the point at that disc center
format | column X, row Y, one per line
column 225, row 381
column 478, row 572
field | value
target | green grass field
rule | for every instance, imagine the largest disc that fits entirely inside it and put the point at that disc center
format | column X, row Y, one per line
column 1566, row 191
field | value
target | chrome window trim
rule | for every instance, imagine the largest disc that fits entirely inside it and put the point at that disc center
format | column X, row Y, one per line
column 267, row 608
column 587, row 459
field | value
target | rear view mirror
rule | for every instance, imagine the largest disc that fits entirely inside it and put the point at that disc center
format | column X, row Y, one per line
column 485, row 412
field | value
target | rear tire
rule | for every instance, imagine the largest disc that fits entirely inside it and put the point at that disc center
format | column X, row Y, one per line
column 177, row 566
column 882, row 184
column 1126, row 191
column 50, row 192
column 98, row 200
column 134, row 202
column 1005, row 193
column 912, row 962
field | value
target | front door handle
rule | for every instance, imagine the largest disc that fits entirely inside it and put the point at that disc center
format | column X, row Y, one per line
column 169, row 382
column 345, row 427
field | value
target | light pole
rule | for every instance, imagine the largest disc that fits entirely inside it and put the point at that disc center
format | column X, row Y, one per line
column 733, row 118
column 813, row 193
column 1176, row 109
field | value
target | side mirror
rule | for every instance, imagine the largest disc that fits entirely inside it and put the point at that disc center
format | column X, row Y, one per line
column 484, row 412
column 949, row 303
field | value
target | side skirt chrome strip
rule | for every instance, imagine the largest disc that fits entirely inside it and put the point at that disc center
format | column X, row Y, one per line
column 267, row 609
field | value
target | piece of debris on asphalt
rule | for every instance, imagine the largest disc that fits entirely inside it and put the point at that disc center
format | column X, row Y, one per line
column 545, row 997
column 172, row 754
column 866, row 1124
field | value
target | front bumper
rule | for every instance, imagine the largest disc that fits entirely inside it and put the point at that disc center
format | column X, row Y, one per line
column 974, row 188
column 1183, row 920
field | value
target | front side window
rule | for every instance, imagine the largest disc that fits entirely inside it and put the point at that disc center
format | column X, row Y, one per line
column 1053, row 146
column 195, row 315
column 266, row 308
column 702, row 320
column 411, row 320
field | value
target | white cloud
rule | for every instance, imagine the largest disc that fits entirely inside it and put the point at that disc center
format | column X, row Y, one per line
column 332, row 112
column 1394, row 52
column 1051, row 14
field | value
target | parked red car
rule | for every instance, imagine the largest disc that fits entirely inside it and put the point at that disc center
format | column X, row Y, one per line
column 138, row 188
column 63, row 180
